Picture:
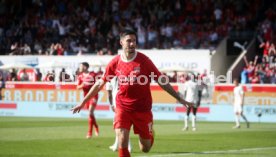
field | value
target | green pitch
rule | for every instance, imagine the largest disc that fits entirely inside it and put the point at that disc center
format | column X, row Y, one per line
column 55, row 137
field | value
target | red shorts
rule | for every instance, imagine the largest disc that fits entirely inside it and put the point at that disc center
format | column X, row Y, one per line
column 93, row 101
column 142, row 122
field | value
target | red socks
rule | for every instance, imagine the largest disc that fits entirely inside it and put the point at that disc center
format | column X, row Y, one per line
column 151, row 140
column 123, row 152
column 90, row 124
column 94, row 121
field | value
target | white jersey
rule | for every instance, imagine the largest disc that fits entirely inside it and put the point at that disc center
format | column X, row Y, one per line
column 238, row 92
column 191, row 90
column 113, row 86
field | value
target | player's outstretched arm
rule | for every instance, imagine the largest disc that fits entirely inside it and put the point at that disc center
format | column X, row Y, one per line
column 92, row 92
column 169, row 89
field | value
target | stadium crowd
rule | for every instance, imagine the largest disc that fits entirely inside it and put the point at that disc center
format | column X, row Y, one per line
column 66, row 27
column 262, row 69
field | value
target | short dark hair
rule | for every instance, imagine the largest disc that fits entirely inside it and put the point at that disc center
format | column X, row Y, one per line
column 85, row 64
column 127, row 31
column 236, row 79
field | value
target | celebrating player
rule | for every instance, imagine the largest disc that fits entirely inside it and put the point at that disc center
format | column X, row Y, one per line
column 133, row 101
column 112, row 90
column 86, row 80
column 238, row 104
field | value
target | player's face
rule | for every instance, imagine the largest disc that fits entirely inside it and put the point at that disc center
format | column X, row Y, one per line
column 128, row 43
column 236, row 83
column 82, row 68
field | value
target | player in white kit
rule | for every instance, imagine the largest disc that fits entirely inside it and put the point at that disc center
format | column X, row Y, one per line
column 238, row 104
column 190, row 92
column 112, row 89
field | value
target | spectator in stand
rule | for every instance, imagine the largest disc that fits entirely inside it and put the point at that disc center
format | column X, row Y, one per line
column 273, row 76
column 183, row 78
column 272, row 50
column 82, row 49
column 51, row 49
column 14, row 49
column 142, row 37
column 273, row 63
column 268, row 74
column 26, row 49
column 272, row 55
column 12, row 75
column 2, row 84
column 261, row 73
column 38, row 75
column 152, row 37
column 218, row 15
column 266, row 29
column 250, row 66
column 255, row 79
column 37, row 48
column 58, row 49
column 64, row 77
column 264, row 62
column 266, row 47
column 24, row 76
column 244, row 76
column 50, row 77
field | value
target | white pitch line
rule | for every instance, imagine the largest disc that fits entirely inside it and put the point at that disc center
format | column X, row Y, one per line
column 211, row 152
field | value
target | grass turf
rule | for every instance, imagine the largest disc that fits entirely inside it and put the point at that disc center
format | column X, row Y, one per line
column 58, row 137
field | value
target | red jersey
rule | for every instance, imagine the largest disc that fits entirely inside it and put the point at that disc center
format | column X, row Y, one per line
column 251, row 71
column 134, row 82
column 266, row 49
column 88, row 79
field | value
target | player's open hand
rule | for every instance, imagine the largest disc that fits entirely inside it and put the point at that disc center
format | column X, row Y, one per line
column 185, row 103
column 189, row 104
column 113, row 108
column 76, row 109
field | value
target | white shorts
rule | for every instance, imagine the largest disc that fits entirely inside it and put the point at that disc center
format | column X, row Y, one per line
column 237, row 108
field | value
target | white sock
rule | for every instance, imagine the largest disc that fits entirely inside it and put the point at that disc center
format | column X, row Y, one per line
column 237, row 118
column 193, row 121
column 116, row 142
column 186, row 121
column 129, row 145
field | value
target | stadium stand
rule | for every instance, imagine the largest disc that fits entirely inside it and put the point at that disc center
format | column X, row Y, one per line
column 40, row 27
column 67, row 27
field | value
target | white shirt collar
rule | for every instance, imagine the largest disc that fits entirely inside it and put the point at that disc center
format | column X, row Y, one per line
column 124, row 60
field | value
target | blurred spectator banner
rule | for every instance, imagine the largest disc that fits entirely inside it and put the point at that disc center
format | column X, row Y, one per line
column 30, row 72
column 191, row 60
column 56, row 100
column 262, row 95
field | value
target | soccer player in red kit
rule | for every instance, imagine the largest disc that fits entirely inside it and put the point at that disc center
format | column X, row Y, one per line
column 86, row 80
column 134, row 102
